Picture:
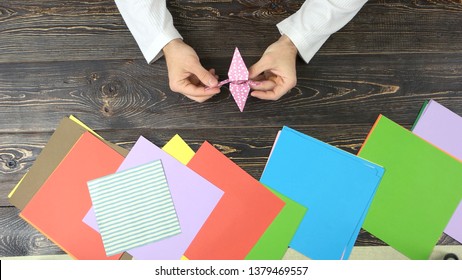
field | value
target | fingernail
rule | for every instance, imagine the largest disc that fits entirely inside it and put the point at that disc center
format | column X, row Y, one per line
column 212, row 82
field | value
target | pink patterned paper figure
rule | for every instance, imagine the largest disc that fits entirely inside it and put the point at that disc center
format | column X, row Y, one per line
column 238, row 79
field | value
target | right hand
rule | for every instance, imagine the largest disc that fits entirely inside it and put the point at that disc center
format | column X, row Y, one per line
column 276, row 70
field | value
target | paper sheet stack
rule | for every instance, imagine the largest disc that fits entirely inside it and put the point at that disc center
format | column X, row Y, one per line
column 152, row 203
column 97, row 200
column 419, row 191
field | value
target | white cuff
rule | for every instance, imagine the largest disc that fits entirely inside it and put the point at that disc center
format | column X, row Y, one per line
column 307, row 45
column 311, row 26
column 150, row 23
column 154, row 51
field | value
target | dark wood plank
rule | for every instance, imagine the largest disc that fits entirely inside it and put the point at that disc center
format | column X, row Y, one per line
column 18, row 238
column 380, row 27
column 63, row 31
column 72, row 30
column 121, row 94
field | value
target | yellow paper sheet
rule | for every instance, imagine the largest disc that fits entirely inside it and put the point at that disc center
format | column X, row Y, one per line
column 85, row 126
column 16, row 187
column 178, row 149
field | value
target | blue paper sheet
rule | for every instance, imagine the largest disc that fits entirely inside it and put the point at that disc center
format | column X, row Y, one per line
column 335, row 185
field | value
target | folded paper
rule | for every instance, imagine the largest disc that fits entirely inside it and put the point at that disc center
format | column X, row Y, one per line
column 133, row 207
column 336, row 187
column 193, row 196
column 59, row 205
column 443, row 128
column 419, row 192
column 238, row 79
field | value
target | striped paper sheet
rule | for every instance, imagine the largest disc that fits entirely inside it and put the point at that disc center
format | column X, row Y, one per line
column 134, row 207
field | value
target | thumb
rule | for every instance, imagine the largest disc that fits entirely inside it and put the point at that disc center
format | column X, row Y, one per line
column 258, row 68
column 204, row 75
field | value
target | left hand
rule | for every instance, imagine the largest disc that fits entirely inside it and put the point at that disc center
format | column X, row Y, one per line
column 186, row 74
column 275, row 71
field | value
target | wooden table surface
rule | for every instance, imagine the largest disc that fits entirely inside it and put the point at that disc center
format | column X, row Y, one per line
column 62, row 57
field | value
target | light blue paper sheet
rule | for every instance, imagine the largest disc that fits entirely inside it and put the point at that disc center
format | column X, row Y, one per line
column 335, row 185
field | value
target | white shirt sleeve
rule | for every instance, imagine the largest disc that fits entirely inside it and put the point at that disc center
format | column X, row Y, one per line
column 311, row 26
column 150, row 23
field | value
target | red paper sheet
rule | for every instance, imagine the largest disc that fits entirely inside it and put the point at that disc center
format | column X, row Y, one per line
column 58, row 207
column 243, row 214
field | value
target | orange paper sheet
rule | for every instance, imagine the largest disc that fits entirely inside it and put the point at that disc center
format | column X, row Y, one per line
column 58, row 207
column 243, row 214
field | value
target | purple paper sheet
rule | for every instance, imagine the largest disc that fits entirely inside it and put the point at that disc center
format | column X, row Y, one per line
column 443, row 128
column 193, row 196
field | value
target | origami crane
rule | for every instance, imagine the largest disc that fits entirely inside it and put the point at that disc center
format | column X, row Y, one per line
column 238, row 79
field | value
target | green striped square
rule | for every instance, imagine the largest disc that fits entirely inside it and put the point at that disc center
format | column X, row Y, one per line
column 133, row 207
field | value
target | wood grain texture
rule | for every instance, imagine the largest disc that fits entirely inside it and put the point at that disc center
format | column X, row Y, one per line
column 78, row 57
column 70, row 30
column 121, row 94
column 18, row 238
column 63, row 31
column 380, row 27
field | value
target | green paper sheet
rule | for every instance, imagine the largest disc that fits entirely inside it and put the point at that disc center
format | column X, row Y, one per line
column 420, row 190
column 422, row 110
column 274, row 243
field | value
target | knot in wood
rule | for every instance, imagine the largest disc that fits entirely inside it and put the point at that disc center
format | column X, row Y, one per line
column 5, row 13
column 275, row 7
column 94, row 76
column 107, row 109
column 109, row 90
column 112, row 88
column 12, row 163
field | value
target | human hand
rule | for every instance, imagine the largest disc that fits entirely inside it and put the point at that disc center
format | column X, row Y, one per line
column 275, row 71
column 186, row 74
